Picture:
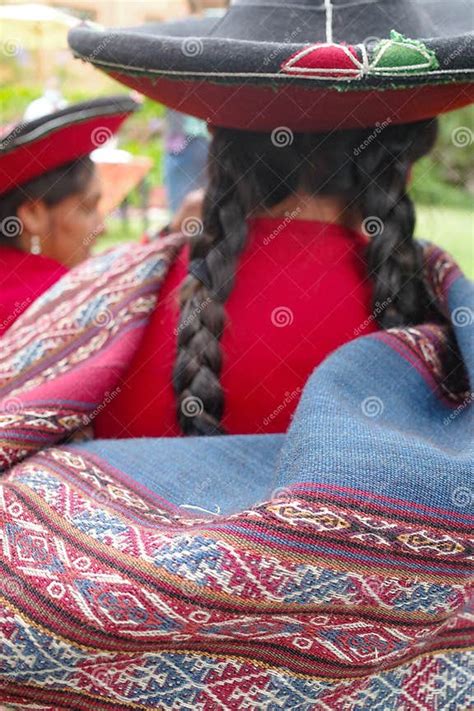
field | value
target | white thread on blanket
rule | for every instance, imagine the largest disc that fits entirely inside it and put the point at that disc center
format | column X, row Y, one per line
column 200, row 508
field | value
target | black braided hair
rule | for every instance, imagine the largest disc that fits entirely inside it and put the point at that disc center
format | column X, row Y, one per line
column 394, row 257
column 249, row 171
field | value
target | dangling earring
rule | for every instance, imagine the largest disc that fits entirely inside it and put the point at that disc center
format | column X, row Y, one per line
column 35, row 247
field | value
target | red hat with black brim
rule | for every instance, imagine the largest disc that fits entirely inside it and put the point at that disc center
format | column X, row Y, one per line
column 34, row 148
column 309, row 65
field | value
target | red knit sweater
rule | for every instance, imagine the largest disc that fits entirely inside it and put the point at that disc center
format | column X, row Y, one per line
column 301, row 291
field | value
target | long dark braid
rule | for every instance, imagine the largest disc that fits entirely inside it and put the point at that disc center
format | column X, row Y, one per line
column 199, row 362
column 249, row 171
column 238, row 176
column 394, row 257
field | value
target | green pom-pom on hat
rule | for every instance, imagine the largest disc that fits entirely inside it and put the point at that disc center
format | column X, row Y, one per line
column 403, row 54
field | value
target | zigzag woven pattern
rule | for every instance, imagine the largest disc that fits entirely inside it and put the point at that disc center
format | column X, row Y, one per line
column 330, row 596
column 113, row 597
column 82, row 330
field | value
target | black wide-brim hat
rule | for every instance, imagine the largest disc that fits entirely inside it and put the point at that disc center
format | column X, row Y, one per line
column 34, row 148
column 309, row 65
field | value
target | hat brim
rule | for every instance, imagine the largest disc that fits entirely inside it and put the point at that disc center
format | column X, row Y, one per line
column 246, row 84
column 37, row 147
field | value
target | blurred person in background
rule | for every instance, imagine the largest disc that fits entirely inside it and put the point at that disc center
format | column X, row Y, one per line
column 186, row 144
column 49, row 197
column 51, row 101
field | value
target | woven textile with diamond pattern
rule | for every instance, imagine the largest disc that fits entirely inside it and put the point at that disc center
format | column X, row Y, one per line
column 346, row 587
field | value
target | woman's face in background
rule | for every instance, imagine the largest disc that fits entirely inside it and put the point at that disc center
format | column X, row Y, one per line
column 68, row 229
column 74, row 225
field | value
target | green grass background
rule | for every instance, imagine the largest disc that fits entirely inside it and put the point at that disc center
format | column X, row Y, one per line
column 452, row 229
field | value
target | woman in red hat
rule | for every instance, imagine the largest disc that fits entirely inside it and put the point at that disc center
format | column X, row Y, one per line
column 320, row 110
column 49, row 198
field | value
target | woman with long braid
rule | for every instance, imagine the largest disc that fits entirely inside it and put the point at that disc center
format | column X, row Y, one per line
column 319, row 564
column 374, row 186
column 250, row 177
column 307, row 232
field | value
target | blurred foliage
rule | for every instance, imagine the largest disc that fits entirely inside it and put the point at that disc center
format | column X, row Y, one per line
column 118, row 230
column 14, row 98
column 140, row 137
column 446, row 176
column 450, row 228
